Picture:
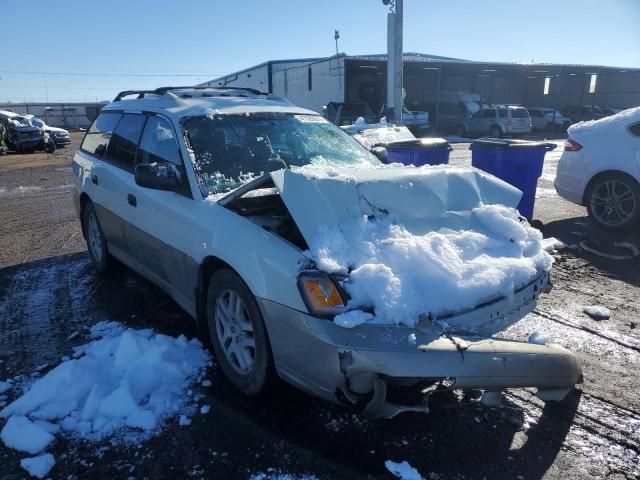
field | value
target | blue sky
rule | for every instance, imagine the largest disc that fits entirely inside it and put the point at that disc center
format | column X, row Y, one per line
column 116, row 40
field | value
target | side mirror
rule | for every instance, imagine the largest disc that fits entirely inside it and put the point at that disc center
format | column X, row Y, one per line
column 381, row 153
column 158, row 176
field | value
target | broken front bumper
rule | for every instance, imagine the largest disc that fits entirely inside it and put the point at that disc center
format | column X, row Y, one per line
column 357, row 365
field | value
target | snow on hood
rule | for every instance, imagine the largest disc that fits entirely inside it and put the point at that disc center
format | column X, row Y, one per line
column 413, row 241
column 423, row 199
column 619, row 120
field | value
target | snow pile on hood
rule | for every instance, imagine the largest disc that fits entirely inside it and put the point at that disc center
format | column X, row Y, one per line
column 400, row 275
column 125, row 381
column 621, row 120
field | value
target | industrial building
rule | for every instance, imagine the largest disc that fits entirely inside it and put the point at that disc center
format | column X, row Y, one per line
column 314, row 82
column 69, row 115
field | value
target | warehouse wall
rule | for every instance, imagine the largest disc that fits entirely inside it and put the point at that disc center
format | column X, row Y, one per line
column 327, row 83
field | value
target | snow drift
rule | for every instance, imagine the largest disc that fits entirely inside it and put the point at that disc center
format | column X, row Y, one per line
column 124, row 382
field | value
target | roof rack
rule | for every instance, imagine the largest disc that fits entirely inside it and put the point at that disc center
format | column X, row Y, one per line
column 163, row 90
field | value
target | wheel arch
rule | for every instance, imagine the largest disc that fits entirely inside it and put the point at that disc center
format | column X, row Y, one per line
column 207, row 268
column 603, row 174
column 84, row 200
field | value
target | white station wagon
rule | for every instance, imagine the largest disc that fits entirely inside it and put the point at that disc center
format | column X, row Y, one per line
column 171, row 183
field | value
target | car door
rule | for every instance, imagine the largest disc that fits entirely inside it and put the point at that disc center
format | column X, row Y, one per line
column 102, row 183
column 166, row 230
column 475, row 122
column 116, row 177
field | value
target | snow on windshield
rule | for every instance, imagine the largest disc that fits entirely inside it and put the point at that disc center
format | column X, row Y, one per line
column 230, row 147
column 395, row 275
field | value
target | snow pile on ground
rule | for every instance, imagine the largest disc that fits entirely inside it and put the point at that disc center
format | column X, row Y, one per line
column 403, row 470
column 124, row 382
column 399, row 275
column 597, row 312
column 38, row 466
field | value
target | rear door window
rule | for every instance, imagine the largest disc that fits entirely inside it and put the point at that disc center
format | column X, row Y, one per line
column 488, row 114
column 97, row 138
column 123, row 146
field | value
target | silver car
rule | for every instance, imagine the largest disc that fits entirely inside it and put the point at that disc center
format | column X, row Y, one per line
column 499, row 120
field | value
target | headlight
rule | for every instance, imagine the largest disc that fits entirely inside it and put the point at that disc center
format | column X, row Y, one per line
column 320, row 293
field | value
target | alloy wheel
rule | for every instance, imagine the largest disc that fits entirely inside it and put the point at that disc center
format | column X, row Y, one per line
column 235, row 332
column 613, row 202
column 95, row 237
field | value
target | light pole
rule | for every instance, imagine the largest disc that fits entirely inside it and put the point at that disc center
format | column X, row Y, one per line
column 394, row 58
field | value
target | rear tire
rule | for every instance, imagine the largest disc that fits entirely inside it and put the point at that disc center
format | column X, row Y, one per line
column 96, row 241
column 613, row 201
column 238, row 334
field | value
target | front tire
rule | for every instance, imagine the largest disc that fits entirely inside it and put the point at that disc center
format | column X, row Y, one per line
column 96, row 241
column 496, row 132
column 613, row 201
column 238, row 334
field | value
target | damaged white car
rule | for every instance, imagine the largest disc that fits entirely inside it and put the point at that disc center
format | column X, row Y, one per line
column 304, row 258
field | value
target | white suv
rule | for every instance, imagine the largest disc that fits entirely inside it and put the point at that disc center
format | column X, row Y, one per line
column 499, row 120
column 171, row 183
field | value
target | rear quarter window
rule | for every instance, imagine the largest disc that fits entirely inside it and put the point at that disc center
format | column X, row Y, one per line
column 100, row 132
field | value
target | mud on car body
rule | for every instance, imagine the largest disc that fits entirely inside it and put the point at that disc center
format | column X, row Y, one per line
column 193, row 189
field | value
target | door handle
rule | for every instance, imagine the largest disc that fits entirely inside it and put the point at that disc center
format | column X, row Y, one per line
column 94, row 179
column 132, row 200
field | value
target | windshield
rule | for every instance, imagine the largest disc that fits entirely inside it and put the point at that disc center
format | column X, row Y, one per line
column 20, row 121
column 231, row 149
column 36, row 122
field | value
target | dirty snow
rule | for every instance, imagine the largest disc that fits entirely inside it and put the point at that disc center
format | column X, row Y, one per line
column 38, row 466
column 597, row 312
column 124, row 382
column 403, row 470
column 539, row 338
column 5, row 386
column 399, row 275
column 552, row 243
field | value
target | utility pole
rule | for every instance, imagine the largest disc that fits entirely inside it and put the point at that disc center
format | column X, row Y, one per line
column 336, row 36
column 394, row 58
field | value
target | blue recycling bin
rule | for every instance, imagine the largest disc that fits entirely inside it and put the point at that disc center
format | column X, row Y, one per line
column 419, row 151
column 517, row 162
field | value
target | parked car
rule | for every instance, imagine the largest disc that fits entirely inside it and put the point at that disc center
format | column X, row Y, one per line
column 346, row 113
column 600, row 168
column 60, row 136
column 610, row 111
column 577, row 113
column 454, row 109
column 416, row 121
column 548, row 119
column 498, row 121
column 21, row 136
column 192, row 188
column 376, row 136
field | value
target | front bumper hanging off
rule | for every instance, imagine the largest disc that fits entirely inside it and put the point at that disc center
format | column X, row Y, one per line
column 357, row 366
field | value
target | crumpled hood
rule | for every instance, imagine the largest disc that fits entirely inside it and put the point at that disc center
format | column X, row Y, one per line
column 423, row 199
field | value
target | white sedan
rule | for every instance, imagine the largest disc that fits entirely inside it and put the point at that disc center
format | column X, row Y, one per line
column 600, row 168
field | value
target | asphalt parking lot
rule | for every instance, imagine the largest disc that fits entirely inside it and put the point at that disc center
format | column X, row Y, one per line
column 48, row 290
